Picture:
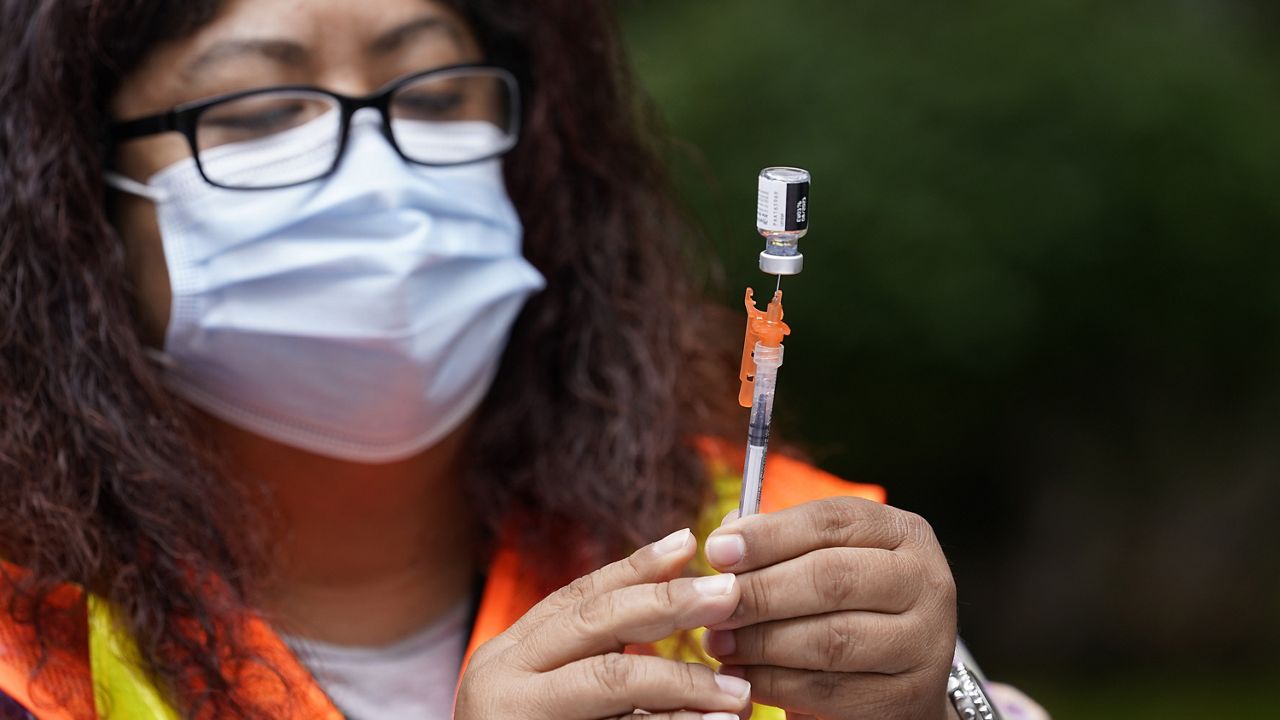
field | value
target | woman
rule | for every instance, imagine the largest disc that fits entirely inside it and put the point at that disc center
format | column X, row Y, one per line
column 315, row 383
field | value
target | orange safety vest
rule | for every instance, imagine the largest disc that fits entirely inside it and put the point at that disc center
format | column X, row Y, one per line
column 80, row 685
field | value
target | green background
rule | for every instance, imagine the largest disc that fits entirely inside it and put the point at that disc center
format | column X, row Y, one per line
column 1041, row 305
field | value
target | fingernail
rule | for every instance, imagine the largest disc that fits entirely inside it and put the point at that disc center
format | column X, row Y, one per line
column 714, row 585
column 719, row 716
column 673, row 542
column 737, row 687
column 726, row 550
column 729, row 517
column 719, row 643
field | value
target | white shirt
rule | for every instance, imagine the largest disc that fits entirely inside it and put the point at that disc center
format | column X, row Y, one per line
column 412, row 679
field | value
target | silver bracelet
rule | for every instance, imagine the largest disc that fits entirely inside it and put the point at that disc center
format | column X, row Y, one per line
column 966, row 691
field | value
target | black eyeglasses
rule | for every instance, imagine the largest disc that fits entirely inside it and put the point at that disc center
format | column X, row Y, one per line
column 289, row 135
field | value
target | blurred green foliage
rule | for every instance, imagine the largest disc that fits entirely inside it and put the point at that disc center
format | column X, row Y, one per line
column 1143, row 697
column 1042, row 294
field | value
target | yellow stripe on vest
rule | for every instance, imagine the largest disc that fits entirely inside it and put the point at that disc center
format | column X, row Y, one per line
column 687, row 646
column 121, row 690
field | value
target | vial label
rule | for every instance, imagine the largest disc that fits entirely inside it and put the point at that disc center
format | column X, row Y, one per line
column 782, row 206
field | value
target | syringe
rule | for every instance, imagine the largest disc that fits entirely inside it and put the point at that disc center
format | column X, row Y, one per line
column 782, row 217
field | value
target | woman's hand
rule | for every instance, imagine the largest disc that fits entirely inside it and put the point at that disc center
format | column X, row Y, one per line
column 563, row 660
column 848, row 611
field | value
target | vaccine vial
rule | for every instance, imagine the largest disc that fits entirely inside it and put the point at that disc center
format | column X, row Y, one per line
column 782, row 217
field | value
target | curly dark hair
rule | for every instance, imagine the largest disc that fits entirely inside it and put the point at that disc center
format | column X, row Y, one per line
column 103, row 483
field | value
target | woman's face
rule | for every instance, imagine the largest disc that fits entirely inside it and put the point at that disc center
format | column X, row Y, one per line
column 350, row 47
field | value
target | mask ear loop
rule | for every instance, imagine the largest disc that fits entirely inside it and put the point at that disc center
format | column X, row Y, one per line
column 161, row 358
column 133, row 187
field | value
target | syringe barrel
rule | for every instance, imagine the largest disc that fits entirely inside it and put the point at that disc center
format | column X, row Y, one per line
column 767, row 361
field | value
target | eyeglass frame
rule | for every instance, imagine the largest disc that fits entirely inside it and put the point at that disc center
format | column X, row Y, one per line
column 185, row 119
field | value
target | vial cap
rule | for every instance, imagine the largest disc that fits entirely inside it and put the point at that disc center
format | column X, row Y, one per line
column 781, row 264
column 782, row 203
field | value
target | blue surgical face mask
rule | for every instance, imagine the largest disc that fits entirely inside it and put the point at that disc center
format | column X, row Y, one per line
column 361, row 316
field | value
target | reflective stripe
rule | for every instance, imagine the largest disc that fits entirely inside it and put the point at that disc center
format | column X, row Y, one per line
column 120, row 688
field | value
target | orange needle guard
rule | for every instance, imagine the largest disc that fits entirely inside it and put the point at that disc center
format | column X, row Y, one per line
column 764, row 327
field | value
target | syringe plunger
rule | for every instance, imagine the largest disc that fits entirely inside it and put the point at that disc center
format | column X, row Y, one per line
column 782, row 217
